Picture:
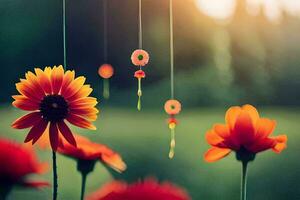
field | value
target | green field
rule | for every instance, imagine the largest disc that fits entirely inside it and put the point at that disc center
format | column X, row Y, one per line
column 142, row 138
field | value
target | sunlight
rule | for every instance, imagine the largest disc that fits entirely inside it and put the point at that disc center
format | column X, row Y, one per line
column 223, row 9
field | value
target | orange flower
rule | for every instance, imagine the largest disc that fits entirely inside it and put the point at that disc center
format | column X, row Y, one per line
column 139, row 74
column 90, row 151
column 172, row 107
column 140, row 57
column 149, row 189
column 106, row 71
column 245, row 133
column 53, row 96
column 17, row 162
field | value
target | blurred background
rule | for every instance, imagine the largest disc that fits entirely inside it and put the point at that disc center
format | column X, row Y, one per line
column 227, row 52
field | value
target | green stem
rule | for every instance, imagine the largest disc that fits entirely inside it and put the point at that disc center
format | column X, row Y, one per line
column 244, row 180
column 55, row 184
column 139, row 93
column 64, row 34
column 83, row 183
column 106, row 88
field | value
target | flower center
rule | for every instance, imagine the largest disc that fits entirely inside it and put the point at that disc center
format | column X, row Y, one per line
column 140, row 57
column 54, row 108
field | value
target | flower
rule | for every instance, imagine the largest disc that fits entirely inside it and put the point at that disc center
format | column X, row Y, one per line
column 90, row 151
column 140, row 57
column 149, row 189
column 106, row 71
column 245, row 133
column 53, row 96
column 172, row 107
column 139, row 74
column 17, row 162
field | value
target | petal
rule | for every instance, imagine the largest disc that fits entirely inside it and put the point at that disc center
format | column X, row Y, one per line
column 26, row 104
column 264, row 127
column 57, row 75
column 53, row 135
column 80, row 122
column 252, row 111
column 34, row 83
column 35, row 184
column 213, row 138
column 27, row 91
column 215, row 153
column 261, row 145
column 85, row 91
column 90, row 113
column 44, row 79
column 66, row 132
column 222, row 130
column 36, row 131
column 84, row 102
column 281, row 143
column 73, row 87
column 67, row 79
column 231, row 115
column 27, row 121
column 244, row 130
column 115, row 162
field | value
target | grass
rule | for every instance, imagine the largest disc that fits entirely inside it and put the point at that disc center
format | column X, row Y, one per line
column 142, row 138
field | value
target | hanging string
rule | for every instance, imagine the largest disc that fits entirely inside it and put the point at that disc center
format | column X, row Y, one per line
column 64, row 34
column 171, row 49
column 105, row 42
column 140, row 25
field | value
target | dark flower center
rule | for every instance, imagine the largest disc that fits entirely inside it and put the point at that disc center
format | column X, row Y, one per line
column 140, row 57
column 245, row 155
column 54, row 108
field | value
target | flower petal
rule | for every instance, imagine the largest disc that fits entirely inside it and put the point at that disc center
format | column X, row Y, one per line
column 244, row 130
column 264, row 127
column 36, row 131
column 114, row 161
column 252, row 111
column 231, row 115
column 57, row 75
column 80, row 122
column 26, row 104
column 85, row 91
column 281, row 143
column 27, row 121
column 66, row 132
column 53, row 135
column 215, row 153
column 213, row 138
column 73, row 87
column 261, row 145
column 44, row 79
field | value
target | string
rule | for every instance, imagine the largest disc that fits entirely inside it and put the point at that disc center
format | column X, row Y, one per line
column 105, row 42
column 171, row 49
column 64, row 34
column 140, row 26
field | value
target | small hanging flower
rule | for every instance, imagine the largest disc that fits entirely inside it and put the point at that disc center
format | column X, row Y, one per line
column 149, row 189
column 246, row 133
column 139, row 58
column 172, row 108
column 106, row 71
column 53, row 96
column 17, row 163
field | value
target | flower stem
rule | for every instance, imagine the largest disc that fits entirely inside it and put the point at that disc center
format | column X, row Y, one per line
column 55, row 185
column 244, row 180
column 83, row 183
column 106, row 88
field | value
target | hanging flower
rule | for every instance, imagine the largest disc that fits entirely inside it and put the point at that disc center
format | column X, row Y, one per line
column 106, row 71
column 139, row 74
column 90, row 151
column 172, row 107
column 149, row 189
column 245, row 133
column 53, row 96
column 17, row 163
column 140, row 57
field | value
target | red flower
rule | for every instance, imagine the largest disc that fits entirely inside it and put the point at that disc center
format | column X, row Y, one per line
column 139, row 74
column 140, row 57
column 17, row 162
column 106, row 71
column 245, row 133
column 53, row 96
column 149, row 189
column 90, row 151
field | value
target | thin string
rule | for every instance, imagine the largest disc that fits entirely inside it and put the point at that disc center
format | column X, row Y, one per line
column 105, row 42
column 171, row 49
column 64, row 34
column 140, row 25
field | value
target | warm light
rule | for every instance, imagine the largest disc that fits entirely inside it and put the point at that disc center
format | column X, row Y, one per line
column 219, row 9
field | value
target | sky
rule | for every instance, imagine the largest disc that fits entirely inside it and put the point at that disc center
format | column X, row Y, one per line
column 222, row 9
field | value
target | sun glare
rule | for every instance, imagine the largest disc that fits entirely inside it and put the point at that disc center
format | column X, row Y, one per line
column 223, row 9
